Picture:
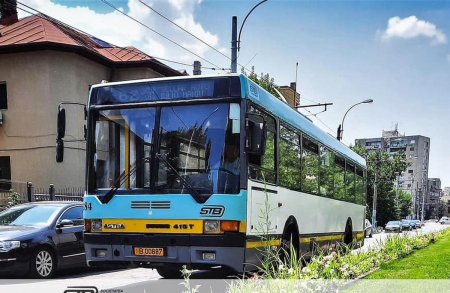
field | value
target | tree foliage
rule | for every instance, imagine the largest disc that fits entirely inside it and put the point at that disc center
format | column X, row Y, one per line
column 386, row 167
column 264, row 81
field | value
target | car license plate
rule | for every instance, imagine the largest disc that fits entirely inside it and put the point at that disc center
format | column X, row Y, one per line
column 148, row 251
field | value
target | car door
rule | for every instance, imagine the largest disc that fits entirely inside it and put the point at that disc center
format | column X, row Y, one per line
column 69, row 236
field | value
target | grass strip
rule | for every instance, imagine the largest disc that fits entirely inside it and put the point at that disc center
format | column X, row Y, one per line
column 432, row 262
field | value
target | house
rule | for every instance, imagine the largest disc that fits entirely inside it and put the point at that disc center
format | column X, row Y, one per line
column 44, row 62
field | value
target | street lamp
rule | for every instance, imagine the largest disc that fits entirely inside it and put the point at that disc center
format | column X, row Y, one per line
column 236, row 42
column 340, row 129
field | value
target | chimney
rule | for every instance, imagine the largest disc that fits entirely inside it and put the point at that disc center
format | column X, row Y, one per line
column 197, row 68
column 8, row 12
column 294, row 86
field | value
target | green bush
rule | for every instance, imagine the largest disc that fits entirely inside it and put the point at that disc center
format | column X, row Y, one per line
column 14, row 198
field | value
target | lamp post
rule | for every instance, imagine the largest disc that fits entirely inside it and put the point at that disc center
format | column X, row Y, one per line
column 235, row 42
column 340, row 129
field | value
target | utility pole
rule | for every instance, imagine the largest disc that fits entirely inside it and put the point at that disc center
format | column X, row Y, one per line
column 234, row 45
column 397, row 209
column 374, row 206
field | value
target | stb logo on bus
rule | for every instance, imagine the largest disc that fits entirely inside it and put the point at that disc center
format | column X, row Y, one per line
column 212, row 211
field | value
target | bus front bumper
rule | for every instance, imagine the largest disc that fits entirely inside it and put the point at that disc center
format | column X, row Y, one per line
column 195, row 251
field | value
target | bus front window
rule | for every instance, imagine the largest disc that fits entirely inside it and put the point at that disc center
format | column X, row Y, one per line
column 200, row 145
column 199, row 142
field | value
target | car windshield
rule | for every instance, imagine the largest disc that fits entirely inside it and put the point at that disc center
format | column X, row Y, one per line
column 29, row 215
column 147, row 150
column 393, row 223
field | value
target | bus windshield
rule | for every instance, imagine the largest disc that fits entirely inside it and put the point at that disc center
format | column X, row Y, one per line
column 160, row 150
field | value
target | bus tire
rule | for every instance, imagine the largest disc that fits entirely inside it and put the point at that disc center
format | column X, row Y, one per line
column 169, row 272
column 290, row 240
column 348, row 234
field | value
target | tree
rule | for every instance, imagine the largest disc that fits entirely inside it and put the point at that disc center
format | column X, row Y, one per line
column 386, row 167
column 264, row 81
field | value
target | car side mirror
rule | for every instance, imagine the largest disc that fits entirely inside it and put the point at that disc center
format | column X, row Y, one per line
column 256, row 131
column 64, row 223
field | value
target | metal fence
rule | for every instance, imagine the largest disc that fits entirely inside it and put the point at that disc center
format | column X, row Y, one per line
column 28, row 192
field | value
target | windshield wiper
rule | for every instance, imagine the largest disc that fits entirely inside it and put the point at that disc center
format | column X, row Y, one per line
column 197, row 196
column 121, row 180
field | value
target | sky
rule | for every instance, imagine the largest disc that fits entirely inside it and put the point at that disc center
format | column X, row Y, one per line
column 394, row 52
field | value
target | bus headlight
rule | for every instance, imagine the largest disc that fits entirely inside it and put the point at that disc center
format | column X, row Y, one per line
column 211, row 226
column 96, row 225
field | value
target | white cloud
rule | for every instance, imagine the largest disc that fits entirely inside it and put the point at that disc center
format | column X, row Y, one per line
column 118, row 29
column 412, row 27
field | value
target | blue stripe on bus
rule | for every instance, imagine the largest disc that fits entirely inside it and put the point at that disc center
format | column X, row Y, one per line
column 283, row 111
column 183, row 206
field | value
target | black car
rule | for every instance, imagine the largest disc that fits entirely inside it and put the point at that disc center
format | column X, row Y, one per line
column 38, row 238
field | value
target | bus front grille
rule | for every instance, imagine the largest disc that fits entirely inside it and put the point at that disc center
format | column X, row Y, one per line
column 150, row 204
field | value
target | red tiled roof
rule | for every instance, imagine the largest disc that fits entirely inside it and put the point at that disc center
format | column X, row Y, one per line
column 37, row 29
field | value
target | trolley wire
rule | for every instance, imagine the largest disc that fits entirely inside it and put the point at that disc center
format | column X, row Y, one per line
column 60, row 23
column 158, row 33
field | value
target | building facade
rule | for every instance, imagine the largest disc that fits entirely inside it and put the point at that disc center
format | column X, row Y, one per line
column 414, row 179
column 435, row 193
column 44, row 62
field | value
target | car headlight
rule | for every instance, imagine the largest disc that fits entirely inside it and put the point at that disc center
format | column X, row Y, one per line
column 6, row 246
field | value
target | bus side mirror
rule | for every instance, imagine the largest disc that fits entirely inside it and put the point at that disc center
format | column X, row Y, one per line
column 59, row 150
column 61, row 123
column 255, row 143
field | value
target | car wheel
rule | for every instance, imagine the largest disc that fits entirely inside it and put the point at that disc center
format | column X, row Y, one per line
column 42, row 264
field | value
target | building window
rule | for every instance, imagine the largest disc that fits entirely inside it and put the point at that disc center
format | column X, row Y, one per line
column 3, row 96
column 5, row 173
column 411, row 149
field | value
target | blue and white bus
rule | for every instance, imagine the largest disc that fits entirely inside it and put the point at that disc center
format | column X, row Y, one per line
column 180, row 171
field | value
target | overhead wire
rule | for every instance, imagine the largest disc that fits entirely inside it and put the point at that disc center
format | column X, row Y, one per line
column 158, row 33
column 47, row 17
column 188, row 32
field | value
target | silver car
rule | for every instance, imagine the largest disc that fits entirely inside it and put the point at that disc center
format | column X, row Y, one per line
column 393, row 226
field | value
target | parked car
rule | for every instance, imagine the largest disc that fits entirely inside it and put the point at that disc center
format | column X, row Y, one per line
column 417, row 223
column 444, row 220
column 40, row 237
column 393, row 226
column 368, row 229
column 408, row 225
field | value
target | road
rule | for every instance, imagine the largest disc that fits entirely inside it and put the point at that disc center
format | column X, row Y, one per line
column 129, row 277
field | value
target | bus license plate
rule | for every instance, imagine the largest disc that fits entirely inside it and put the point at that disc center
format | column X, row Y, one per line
column 148, row 251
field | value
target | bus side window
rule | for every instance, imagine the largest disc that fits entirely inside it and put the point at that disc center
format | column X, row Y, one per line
column 350, row 182
column 290, row 165
column 339, row 175
column 360, row 187
column 310, row 166
column 263, row 168
column 326, row 175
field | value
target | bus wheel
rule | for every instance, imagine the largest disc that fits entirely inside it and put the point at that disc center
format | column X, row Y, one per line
column 348, row 234
column 289, row 247
column 170, row 272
